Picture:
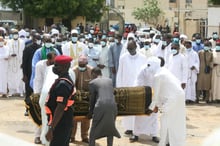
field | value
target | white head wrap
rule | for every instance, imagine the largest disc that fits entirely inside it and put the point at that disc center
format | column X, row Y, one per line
column 153, row 64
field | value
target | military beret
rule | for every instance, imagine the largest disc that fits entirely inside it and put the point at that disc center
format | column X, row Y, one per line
column 63, row 59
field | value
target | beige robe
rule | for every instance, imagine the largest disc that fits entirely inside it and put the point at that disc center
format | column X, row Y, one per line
column 204, row 79
column 216, row 76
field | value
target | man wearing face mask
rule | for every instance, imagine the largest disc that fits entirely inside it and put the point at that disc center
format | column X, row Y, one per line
column 204, row 76
column 104, row 59
column 129, row 67
column 27, row 65
column 73, row 48
column 114, row 54
column 193, row 69
column 177, row 64
column 41, row 54
column 59, row 102
column 83, row 77
column 216, row 73
column 16, row 47
column 198, row 45
column 4, row 54
column 146, row 50
column 92, row 53
column 41, row 68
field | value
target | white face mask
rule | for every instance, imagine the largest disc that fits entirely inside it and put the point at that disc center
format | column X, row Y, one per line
column 90, row 45
column 173, row 51
column 58, row 43
column 103, row 43
column 38, row 42
column 15, row 36
column 1, row 44
column 74, row 39
column 48, row 45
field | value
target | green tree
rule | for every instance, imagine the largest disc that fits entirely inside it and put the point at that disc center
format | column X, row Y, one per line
column 214, row 2
column 149, row 13
column 58, row 8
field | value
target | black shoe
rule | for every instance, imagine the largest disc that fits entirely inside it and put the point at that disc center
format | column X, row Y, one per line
column 86, row 140
column 167, row 144
column 37, row 140
column 128, row 132
column 155, row 139
column 134, row 138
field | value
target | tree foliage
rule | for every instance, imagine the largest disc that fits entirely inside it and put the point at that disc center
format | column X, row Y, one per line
column 149, row 13
column 214, row 2
column 58, row 8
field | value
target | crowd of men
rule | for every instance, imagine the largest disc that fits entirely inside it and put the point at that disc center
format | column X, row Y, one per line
column 25, row 54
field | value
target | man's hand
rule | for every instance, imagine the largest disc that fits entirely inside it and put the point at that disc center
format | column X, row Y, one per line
column 113, row 70
column 49, row 135
column 89, row 115
column 183, row 85
column 25, row 79
column 192, row 68
column 155, row 109
column 101, row 66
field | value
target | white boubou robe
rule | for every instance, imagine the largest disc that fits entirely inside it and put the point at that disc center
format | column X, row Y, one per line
column 193, row 60
column 104, row 60
column 177, row 65
column 129, row 67
column 73, row 50
column 170, row 98
column 15, row 83
column 145, row 124
column 4, row 52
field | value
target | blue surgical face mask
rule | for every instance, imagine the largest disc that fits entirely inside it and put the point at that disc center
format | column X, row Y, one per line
column 103, row 43
column 198, row 41
column 48, row 45
column 188, row 49
column 215, row 36
column 217, row 48
column 206, row 48
column 164, row 43
column 116, row 41
column 174, row 51
column 146, row 47
column 111, row 43
column 82, row 68
column 74, row 39
column 156, row 40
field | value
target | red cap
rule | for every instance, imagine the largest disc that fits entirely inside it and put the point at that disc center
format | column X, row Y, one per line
column 63, row 59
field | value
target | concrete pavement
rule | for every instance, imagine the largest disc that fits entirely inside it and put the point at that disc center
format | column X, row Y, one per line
column 202, row 120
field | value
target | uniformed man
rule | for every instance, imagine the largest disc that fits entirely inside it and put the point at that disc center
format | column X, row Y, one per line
column 58, row 104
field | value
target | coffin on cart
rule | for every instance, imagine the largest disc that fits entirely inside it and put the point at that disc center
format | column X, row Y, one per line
column 130, row 101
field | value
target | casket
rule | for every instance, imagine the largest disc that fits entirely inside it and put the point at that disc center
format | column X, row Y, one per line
column 130, row 101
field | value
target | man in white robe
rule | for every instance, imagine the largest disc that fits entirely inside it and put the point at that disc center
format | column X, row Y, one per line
column 216, row 73
column 171, row 104
column 129, row 67
column 104, row 59
column 130, row 36
column 4, row 53
column 193, row 69
column 177, row 64
column 146, row 124
column 40, row 72
column 73, row 48
column 16, row 47
column 147, row 50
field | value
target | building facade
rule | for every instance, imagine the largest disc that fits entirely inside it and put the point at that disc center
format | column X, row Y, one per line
column 178, row 14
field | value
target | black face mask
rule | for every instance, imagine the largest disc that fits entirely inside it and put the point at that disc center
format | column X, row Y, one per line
column 55, row 70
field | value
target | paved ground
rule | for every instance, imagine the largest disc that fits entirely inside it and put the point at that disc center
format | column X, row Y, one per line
column 202, row 120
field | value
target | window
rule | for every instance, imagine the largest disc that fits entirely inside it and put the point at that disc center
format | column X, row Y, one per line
column 172, row 1
column 188, row 1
